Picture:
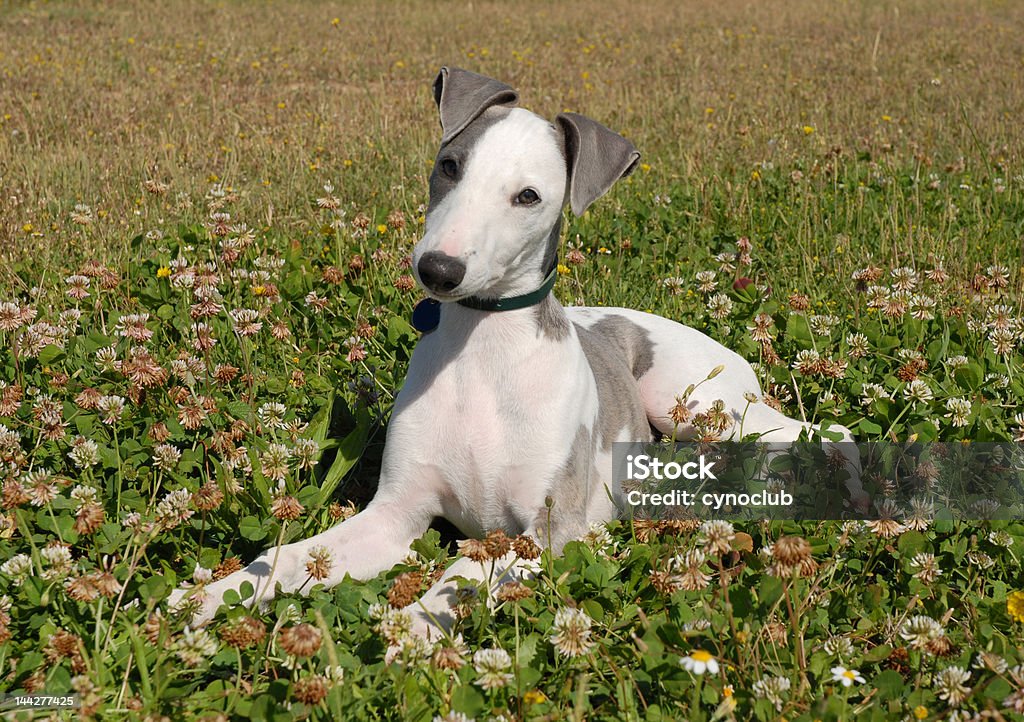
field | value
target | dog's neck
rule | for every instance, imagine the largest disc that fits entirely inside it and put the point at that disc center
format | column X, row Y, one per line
column 504, row 330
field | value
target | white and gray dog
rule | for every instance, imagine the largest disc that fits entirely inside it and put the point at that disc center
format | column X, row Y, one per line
column 511, row 399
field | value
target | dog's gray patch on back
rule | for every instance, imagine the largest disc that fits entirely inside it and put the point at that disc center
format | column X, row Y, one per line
column 459, row 149
column 569, row 495
column 631, row 339
column 552, row 319
column 618, row 395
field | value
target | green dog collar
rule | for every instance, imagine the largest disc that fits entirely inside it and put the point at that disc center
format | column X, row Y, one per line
column 511, row 303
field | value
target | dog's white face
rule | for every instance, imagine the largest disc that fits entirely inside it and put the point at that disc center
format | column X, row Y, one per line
column 496, row 196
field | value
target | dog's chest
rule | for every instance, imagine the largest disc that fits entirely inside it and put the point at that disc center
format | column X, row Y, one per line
column 492, row 425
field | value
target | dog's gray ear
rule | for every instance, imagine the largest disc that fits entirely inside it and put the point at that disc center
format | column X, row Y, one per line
column 596, row 156
column 461, row 96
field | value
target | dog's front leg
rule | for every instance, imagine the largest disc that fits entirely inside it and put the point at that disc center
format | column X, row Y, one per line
column 361, row 547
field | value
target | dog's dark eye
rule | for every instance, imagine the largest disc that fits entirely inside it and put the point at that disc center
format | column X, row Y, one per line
column 527, row 197
column 449, row 167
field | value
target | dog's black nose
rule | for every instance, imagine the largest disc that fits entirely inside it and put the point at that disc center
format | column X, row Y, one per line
column 440, row 272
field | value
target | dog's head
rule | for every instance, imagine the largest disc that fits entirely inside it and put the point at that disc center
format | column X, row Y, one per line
column 498, row 186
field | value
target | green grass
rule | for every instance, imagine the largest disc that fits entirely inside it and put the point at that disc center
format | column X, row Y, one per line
column 833, row 138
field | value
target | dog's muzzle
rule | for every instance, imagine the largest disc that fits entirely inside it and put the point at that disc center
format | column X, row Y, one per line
column 440, row 272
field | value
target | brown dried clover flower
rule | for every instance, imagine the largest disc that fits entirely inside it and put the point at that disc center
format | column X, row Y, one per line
column 474, row 549
column 310, row 690
column 244, row 632
column 226, row 567
column 497, row 544
column 154, row 626
column 665, row 583
column 449, row 658
column 405, row 589
column 286, row 507
column 791, row 550
column 13, row 494
column 65, row 645
column 89, row 518
column 513, row 592
column 525, row 547
column 208, row 497
column 81, row 588
column 301, row 640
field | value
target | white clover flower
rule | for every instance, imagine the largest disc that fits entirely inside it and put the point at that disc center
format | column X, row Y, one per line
column 839, row 647
column 859, row 345
column 719, row 306
column 806, row 361
column 70, row 317
column 773, row 689
column 17, row 568
column 111, row 408
column 246, row 321
column 1000, row 538
column 991, row 661
column 871, row 392
column 598, row 538
column 492, row 666
column 959, row 411
column 922, row 307
column 274, row 462
column 904, row 279
column 980, row 559
column 717, row 535
column 306, row 452
column 674, row 284
column 83, row 494
column 927, row 566
column 706, row 282
column 194, row 646
column 571, row 632
column 84, row 453
column 166, row 457
column 411, row 651
column 919, row 630
column 918, row 391
column 821, row 325
column 57, row 562
column 271, row 415
column 106, row 359
column 951, row 686
column 393, row 625
column 174, row 508
column 956, row 362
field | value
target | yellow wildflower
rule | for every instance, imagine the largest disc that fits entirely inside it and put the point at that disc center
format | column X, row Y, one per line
column 1015, row 605
column 535, row 696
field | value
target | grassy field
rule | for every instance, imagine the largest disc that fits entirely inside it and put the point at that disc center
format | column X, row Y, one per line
column 174, row 175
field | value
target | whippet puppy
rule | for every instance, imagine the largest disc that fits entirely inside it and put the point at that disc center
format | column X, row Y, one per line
column 513, row 402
